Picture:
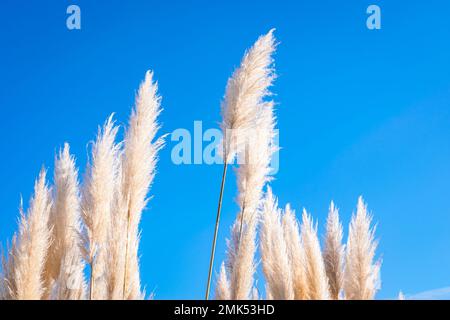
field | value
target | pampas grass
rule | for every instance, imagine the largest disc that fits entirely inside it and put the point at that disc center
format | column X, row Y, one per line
column 65, row 263
column 7, row 283
column 252, row 175
column 274, row 252
column 243, row 111
column 245, row 91
column 71, row 233
column 30, row 250
column 333, row 253
column 98, row 196
column 361, row 271
column 66, row 229
column 316, row 277
column 296, row 254
column 223, row 285
column 138, row 171
column 241, row 264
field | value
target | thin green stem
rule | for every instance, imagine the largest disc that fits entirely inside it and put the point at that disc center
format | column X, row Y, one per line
column 216, row 231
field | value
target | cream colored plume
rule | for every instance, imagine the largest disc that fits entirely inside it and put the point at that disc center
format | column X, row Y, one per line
column 7, row 273
column 245, row 112
column 296, row 254
column 245, row 92
column 315, row 269
column 30, row 250
column 254, row 172
column 361, row 278
column 252, row 175
column 223, row 285
column 65, row 263
column 3, row 283
column 274, row 253
column 241, row 263
column 117, row 244
column 138, row 171
column 98, row 195
column 333, row 253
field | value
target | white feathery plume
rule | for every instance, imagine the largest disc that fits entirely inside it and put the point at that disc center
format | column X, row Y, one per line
column 243, row 110
column 98, row 192
column 138, row 171
column 223, row 285
column 296, row 254
column 333, row 253
column 3, row 275
column 315, row 269
column 66, row 262
column 274, row 254
column 7, row 273
column 117, row 248
column 32, row 244
column 241, row 264
column 361, row 277
column 3, row 287
column 254, row 172
column 252, row 175
column 401, row 296
column 245, row 91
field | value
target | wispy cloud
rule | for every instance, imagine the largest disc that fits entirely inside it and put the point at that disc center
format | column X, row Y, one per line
column 435, row 294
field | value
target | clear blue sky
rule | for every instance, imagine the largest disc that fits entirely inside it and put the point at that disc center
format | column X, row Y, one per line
column 360, row 112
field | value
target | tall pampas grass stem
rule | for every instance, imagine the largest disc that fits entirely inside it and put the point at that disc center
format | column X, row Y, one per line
column 241, row 110
column 216, row 230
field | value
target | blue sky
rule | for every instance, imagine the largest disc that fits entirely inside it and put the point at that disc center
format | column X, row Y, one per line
column 359, row 112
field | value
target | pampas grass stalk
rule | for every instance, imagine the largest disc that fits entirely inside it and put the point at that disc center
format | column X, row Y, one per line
column 315, row 269
column 333, row 253
column 98, row 193
column 241, row 110
column 138, row 171
column 65, row 261
column 216, row 229
column 361, row 278
column 274, row 253
column 296, row 254
column 30, row 251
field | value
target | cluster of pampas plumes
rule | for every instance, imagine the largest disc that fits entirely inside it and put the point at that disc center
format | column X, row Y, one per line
column 69, row 227
column 80, row 240
column 295, row 267
column 293, row 263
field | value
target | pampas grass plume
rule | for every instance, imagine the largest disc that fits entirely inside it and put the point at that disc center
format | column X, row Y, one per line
column 296, row 254
column 98, row 195
column 274, row 254
column 33, row 240
column 65, row 260
column 138, row 171
column 315, row 269
column 333, row 253
column 361, row 280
